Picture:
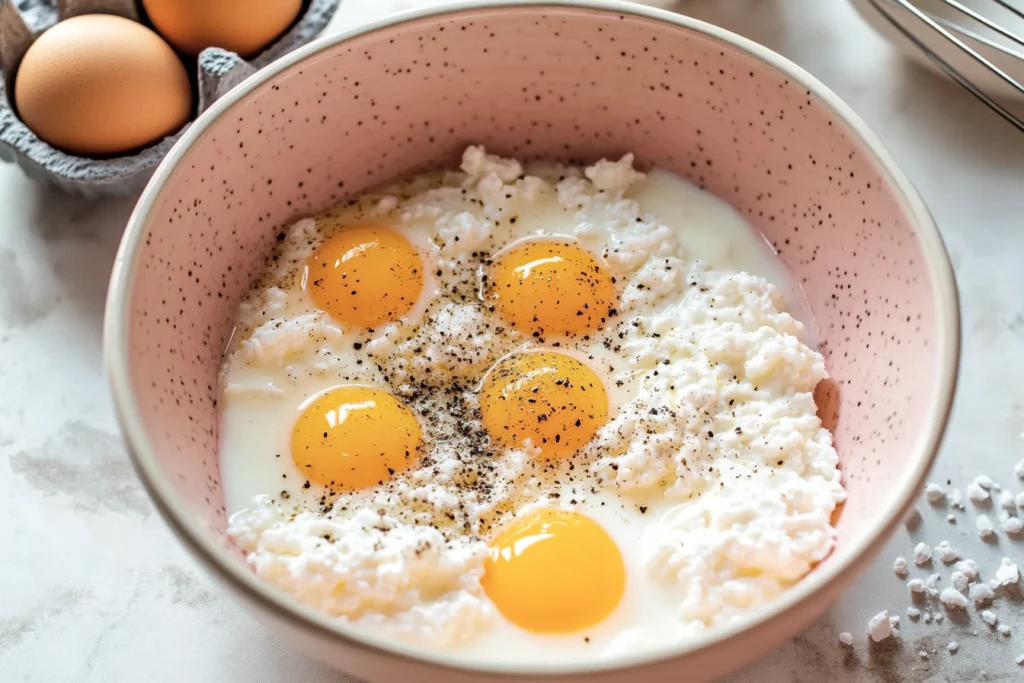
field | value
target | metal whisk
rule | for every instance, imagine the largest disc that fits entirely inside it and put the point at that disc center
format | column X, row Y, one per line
column 885, row 7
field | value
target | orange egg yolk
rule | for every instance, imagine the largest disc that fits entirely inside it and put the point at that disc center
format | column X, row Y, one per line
column 554, row 572
column 365, row 276
column 552, row 288
column 351, row 437
column 552, row 399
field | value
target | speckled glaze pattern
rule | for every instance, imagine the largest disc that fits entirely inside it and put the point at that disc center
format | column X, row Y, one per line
column 574, row 84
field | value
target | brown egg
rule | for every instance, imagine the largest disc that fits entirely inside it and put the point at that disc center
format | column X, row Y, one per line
column 100, row 85
column 242, row 26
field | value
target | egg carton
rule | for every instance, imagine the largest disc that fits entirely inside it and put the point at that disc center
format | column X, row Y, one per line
column 21, row 21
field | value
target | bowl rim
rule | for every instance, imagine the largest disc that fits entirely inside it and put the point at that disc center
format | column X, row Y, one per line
column 846, row 561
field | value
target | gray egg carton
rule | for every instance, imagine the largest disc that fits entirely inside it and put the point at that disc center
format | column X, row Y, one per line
column 21, row 21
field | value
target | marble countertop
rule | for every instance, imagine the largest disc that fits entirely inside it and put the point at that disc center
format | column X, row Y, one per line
column 94, row 588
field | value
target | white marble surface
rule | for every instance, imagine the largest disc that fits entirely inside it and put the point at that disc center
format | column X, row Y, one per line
column 94, row 589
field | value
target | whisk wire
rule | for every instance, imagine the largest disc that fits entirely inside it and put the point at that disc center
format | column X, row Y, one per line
column 883, row 7
column 985, row 21
column 1007, row 5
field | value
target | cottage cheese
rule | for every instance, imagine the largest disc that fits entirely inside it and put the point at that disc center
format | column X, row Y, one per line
column 371, row 568
column 714, row 458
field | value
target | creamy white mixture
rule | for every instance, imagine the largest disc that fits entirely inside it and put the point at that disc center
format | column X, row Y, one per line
column 714, row 475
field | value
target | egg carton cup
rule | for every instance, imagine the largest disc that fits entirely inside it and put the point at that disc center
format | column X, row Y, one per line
column 21, row 21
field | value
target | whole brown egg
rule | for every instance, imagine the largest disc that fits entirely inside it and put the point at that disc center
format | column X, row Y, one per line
column 100, row 85
column 242, row 26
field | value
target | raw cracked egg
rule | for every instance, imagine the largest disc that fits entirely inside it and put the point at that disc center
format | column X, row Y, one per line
column 554, row 571
column 544, row 399
column 351, row 437
column 101, row 85
column 511, row 412
column 364, row 276
column 552, row 287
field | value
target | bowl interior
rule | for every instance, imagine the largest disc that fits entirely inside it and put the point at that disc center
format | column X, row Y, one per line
column 568, row 83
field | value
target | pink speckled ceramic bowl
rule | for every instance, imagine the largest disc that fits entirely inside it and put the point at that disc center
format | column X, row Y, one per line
column 572, row 80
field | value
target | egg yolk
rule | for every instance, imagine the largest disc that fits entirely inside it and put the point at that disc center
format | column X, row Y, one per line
column 553, row 288
column 352, row 437
column 365, row 276
column 554, row 572
column 552, row 399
